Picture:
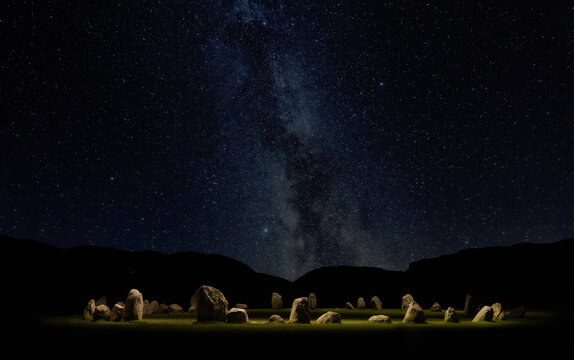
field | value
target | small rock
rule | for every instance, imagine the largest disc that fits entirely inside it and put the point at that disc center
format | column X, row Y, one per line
column 361, row 303
column 450, row 315
column 406, row 301
column 175, row 308
column 485, row 314
column 276, row 318
column 329, row 317
column 300, row 312
column 350, row 306
column 435, row 307
column 102, row 312
column 517, row 313
column 380, row 318
column 241, row 306
column 376, row 303
column 237, row 316
column 414, row 313
column 163, row 309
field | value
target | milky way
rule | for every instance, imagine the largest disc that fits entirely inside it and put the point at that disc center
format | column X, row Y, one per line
column 289, row 135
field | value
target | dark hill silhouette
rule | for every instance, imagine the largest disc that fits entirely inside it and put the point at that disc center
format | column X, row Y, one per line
column 50, row 280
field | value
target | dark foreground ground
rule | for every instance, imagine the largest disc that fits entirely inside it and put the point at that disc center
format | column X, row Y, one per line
column 542, row 334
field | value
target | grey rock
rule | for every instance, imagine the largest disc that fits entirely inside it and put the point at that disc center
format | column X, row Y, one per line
column 211, row 304
column 102, row 301
column 117, row 312
column 276, row 301
column 312, row 301
column 414, row 313
column 450, row 315
column 497, row 310
column 89, row 310
column 406, row 301
column 175, row 308
column 376, row 303
column 133, row 309
column 361, row 303
column 380, row 318
column 485, row 314
column 468, row 304
column 276, row 318
column 435, row 307
column 237, row 316
column 300, row 311
column 102, row 312
column 329, row 317
column 517, row 313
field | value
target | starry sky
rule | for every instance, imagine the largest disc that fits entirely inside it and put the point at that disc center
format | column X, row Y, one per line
column 288, row 135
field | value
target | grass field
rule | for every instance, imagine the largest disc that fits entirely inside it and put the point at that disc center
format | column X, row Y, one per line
column 537, row 334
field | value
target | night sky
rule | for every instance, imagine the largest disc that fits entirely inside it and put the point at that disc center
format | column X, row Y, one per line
column 288, row 135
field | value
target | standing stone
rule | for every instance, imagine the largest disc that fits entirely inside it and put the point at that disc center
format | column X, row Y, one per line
column 380, row 318
column 414, row 313
column 407, row 300
column 102, row 301
column 485, row 314
column 300, row 312
column 329, row 317
column 450, row 315
column 376, row 303
column 175, row 308
column 497, row 310
column 468, row 304
column 102, row 312
column 89, row 310
column 117, row 312
column 163, row 309
column 312, row 301
column 237, row 316
column 276, row 301
column 517, row 313
column 349, row 306
column 133, row 309
column 361, row 303
column 435, row 307
column 146, row 307
column 211, row 304
column 276, row 318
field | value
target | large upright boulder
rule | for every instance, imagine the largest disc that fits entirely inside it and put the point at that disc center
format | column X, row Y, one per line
column 329, row 317
column 300, row 311
column 496, row 310
column 276, row 301
column 210, row 304
column 361, row 303
column 414, row 313
column 450, row 315
column 89, row 310
column 468, row 304
column 406, row 301
column 133, row 309
column 312, row 301
column 485, row 314
column 376, row 303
